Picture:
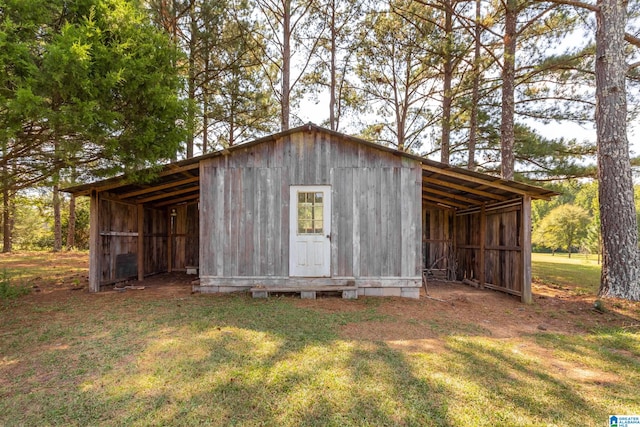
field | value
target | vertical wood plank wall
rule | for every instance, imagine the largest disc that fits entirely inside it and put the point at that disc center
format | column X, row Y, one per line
column 490, row 249
column 118, row 225
column 185, row 237
column 155, row 241
column 437, row 240
column 382, row 235
column 116, row 241
column 376, row 209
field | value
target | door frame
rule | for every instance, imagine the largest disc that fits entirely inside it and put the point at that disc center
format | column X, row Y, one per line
column 324, row 237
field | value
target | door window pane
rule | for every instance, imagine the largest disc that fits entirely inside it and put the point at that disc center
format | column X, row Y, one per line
column 310, row 213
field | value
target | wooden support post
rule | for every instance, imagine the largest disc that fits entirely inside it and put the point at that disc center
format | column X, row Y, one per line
column 454, row 244
column 94, row 243
column 483, row 244
column 140, row 242
column 170, row 224
column 525, row 253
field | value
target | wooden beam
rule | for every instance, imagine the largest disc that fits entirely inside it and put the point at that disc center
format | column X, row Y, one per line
column 95, row 243
column 474, row 247
column 498, row 207
column 503, row 289
column 107, row 187
column 452, row 196
column 119, row 233
column 444, row 202
column 159, row 187
column 121, row 181
column 176, row 201
column 494, row 184
column 179, row 169
column 437, row 205
column 170, row 194
column 464, row 188
column 525, row 244
column 140, row 242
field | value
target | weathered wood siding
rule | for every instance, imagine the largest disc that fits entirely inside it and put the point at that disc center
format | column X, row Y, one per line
column 438, row 240
column 185, row 237
column 155, row 241
column 468, row 245
column 490, row 249
column 376, row 208
column 118, row 239
column 114, row 257
column 502, row 259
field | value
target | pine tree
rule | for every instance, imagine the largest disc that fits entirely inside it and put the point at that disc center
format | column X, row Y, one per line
column 397, row 75
column 89, row 84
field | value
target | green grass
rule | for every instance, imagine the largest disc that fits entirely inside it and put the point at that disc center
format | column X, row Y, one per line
column 231, row 360
column 579, row 273
column 71, row 358
column 35, row 267
column 10, row 290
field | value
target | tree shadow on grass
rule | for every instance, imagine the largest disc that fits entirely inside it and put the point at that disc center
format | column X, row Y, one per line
column 236, row 361
column 521, row 390
column 263, row 363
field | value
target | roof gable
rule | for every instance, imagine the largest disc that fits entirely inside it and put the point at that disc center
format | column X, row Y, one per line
column 443, row 185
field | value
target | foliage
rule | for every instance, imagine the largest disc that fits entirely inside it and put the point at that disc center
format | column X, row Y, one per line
column 541, row 159
column 227, row 89
column 86, row 84
column 583, row 194
column 396, row 69
column 89, row 89
column 241, row 104
column 33, row 221
column 563, row 228
column 290, row 41
column 333, row 64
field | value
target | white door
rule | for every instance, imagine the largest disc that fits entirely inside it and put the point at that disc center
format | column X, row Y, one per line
column 310, row 231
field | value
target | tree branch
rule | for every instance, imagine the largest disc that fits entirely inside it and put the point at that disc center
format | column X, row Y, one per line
column 630, row 38
column 580, row 4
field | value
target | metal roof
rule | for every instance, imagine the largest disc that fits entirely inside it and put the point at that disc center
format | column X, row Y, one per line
column 442, row 185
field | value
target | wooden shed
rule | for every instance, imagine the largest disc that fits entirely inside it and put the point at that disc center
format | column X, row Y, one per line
column 310, row 208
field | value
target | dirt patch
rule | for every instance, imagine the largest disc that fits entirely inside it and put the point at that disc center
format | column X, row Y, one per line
column 453, row 308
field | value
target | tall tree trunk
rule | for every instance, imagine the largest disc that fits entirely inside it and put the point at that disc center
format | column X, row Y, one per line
column 475, row 92
column 333, row 71
column 71, row 227
column 205, row 96
column 286, row 65
column 620, row 269
column 445, row 147
column 57, row 220
column 232, row 125
column 191, row 79
column 507, row 133
column 7, row 229
column 205, row 120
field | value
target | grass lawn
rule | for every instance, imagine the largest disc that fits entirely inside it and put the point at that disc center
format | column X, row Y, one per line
column 580, row 273
column 72, row 358
column 33, row 267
